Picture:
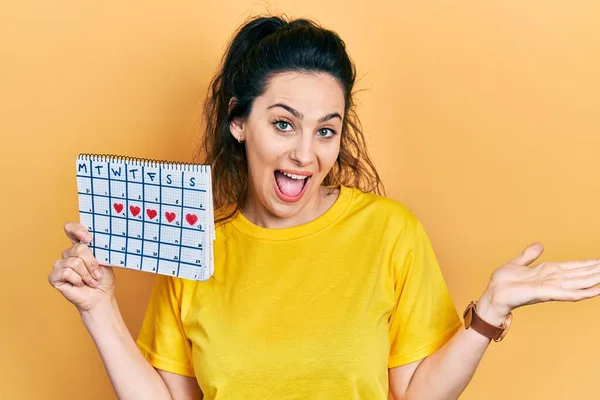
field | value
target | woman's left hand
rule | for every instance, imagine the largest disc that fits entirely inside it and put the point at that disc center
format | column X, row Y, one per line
column 517, row 284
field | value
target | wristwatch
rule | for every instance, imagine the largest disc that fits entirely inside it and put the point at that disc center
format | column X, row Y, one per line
column 472, row 320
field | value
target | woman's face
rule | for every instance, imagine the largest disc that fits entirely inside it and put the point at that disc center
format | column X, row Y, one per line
column 292, row 139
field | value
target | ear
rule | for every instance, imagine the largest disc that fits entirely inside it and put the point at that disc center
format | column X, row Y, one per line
column 236, row 126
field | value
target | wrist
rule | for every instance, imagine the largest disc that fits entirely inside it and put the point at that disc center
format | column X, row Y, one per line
column 105, row 310
column 490, row 309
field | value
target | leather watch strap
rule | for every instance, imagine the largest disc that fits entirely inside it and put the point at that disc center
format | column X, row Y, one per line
column 472, row 320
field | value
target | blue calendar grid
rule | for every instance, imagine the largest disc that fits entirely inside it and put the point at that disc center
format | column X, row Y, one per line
column 140, row 222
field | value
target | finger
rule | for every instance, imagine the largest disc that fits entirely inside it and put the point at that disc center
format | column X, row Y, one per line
column 583, row 271
column 583, row 282
column 58, row 264
column 557, row 294
column 529, row 255
column 579, row 263
column 61, row 276
column 83, row 251
column 77, row 233
column 78, row 265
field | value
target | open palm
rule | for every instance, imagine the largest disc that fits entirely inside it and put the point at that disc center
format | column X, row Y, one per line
column 517, row 283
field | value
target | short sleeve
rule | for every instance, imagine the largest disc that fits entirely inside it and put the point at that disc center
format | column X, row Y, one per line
column 162, row 340
column 424, row 317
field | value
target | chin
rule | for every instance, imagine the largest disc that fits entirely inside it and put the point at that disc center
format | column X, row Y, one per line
column 282, row 211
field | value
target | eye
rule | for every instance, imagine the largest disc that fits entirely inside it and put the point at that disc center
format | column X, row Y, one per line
column 325, row 133
column 282, row 125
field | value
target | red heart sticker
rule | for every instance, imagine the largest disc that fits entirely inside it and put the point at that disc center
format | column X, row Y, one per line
column 151, row 213
column 118, row 207
column 191, row 219
column 170, row 216
column 135, row 210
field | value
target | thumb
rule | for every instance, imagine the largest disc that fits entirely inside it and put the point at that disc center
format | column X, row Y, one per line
column 77, row 233
column 530, row 254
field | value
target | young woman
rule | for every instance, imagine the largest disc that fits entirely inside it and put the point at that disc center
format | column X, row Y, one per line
column 322, row 288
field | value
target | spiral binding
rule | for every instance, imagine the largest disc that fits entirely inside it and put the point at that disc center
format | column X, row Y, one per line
column 146, row 162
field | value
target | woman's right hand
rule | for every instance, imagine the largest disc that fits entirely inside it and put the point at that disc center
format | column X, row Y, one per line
column 78, row 275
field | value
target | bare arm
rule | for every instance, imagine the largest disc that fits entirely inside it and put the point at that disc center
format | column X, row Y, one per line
column 181, row 387
column 90, row 287
column 130, row 374
column 446, row 373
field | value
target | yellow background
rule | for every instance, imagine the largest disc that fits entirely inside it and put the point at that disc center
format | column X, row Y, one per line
column 483, row 117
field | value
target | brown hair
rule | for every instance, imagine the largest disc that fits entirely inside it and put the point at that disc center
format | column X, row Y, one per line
column 261, row 48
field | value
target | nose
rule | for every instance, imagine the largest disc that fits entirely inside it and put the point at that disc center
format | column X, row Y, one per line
column 303, row 152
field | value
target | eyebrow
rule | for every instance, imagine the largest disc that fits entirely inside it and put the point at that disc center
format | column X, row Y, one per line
column 299, row 115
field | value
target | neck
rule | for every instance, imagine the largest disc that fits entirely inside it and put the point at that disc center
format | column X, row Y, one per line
column 315, row 206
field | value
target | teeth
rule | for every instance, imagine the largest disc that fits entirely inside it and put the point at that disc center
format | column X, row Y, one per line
column 294, row 176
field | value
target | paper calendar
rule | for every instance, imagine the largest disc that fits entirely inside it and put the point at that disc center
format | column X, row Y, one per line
column 148, row 215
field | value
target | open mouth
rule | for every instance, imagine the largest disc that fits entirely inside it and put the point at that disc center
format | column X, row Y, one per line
column 290, row 187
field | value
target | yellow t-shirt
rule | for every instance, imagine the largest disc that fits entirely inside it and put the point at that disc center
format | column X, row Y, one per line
column 316, row 311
